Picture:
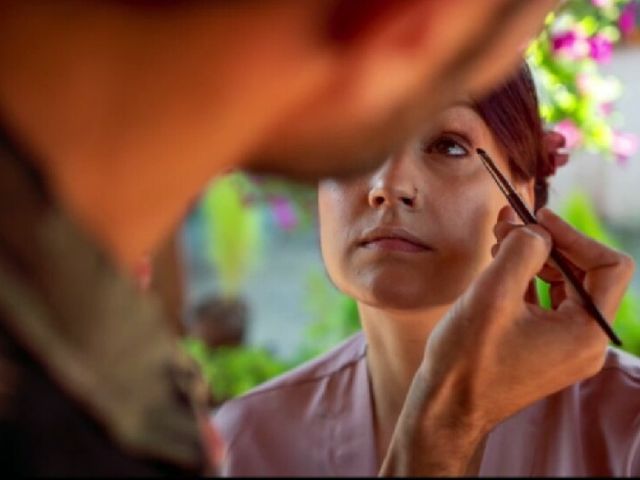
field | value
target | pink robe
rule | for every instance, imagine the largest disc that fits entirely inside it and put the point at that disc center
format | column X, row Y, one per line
column 317, row 420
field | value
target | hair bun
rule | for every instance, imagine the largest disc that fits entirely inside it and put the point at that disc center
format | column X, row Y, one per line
column 556, row 156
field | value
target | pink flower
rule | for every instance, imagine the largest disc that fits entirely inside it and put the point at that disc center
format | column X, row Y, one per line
column 284, row 213
column 624, row 146
column 627, row 19
column 571, row 44
column 606, row 108
column 570, row 131
column 600, row 48
column 602, row 3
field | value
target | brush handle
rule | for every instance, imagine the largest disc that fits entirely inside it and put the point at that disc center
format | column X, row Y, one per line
column 564, row 266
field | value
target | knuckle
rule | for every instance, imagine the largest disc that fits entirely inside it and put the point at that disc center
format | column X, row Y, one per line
column 627, row 264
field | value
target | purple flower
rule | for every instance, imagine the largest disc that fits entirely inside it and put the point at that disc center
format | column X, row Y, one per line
column 627, row 19
column 284, row 213
column 563, row 41
column 600, row 48
column 624, row 146
column 571, row 133
column 571, row 44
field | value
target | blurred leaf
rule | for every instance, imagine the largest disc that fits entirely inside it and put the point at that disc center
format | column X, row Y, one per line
column 233, row 230
column 232, row 371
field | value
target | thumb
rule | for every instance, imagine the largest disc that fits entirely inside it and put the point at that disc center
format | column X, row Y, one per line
column 522, row 254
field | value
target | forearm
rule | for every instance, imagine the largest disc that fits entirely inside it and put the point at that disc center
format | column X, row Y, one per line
column 437, row 434
column 433, row 452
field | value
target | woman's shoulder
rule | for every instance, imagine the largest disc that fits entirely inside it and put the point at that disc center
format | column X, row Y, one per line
column 344, row 355
column 621, row 370
column 281, row 427
column 612, row 395
column 292, row 390
column 589, row 428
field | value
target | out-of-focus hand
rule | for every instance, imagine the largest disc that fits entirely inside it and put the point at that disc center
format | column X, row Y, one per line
column 488, row 38
column 496, row 352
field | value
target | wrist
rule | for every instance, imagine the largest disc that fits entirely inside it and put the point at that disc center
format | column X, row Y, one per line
column 438, row 431
column 447, row 404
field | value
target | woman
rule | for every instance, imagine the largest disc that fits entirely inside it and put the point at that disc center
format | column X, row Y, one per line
column 405, row 242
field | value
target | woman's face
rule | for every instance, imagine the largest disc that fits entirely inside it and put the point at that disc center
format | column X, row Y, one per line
column 417, row 231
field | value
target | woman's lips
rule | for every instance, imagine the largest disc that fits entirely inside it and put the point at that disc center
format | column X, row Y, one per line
column 393, row 239
column 394, row 245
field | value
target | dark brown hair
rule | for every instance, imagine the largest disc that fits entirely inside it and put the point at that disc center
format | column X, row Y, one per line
column 511, row 112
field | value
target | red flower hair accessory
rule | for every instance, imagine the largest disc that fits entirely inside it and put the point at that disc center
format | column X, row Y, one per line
column 556, row 155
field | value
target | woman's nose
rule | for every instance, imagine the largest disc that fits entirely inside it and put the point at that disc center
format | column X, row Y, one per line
column 380, row 196
column 394, row 184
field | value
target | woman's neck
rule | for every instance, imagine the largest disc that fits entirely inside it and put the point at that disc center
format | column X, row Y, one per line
column 395, row 348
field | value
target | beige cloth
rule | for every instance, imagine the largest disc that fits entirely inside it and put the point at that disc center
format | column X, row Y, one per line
column 103, row 343
column 317, row 420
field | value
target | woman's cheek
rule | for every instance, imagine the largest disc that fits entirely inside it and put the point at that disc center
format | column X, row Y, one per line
column 471, row 215
column 336, row 216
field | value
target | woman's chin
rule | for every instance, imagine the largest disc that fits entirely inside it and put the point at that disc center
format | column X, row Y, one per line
column 395, row 294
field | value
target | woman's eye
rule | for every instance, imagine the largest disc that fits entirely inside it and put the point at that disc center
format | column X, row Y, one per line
column 447, row 146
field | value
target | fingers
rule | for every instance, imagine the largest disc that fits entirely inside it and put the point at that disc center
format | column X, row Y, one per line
column 519, row 258
column 549, row 273
column 584, row 252
column 607, row 271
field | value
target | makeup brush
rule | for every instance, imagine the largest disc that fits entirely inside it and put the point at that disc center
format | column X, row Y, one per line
column 561, row 262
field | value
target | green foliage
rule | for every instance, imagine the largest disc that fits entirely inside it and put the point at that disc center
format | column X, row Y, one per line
column 231, row 371
column 580, row 213
column 233, row 231
column 334, row 317
column 574, row 93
